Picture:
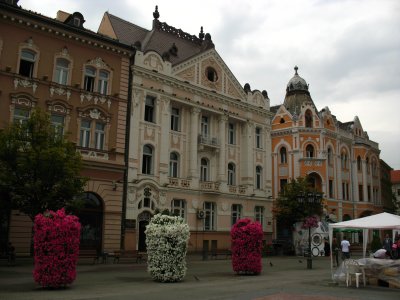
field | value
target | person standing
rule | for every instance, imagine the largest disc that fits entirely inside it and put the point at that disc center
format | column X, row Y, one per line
column 387, row 245
column 345, row 245
column 335, row 250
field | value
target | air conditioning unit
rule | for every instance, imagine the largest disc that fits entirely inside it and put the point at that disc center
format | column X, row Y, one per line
column 201, row 214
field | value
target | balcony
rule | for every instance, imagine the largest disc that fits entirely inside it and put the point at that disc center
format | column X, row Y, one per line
column 205, row 140
column 209, row 186
column 179, row 183
column 93, row 153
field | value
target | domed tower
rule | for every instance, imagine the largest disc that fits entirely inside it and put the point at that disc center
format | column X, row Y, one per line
column 296, row 93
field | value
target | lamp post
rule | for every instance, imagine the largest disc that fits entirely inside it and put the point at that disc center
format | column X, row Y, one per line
column 308, row 200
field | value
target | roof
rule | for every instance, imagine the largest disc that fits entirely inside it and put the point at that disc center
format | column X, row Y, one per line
column 169, row 42
column 379, row 221
column 395, row 176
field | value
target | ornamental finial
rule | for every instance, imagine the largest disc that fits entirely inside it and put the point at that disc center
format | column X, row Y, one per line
column 295, row 69
column 156, row 15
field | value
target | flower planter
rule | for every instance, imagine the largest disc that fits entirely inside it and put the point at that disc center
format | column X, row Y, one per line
column 246, row 239
column 56, row 248
column 166, row 239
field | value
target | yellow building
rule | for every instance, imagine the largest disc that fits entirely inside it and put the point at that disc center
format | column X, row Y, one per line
column 339, row 158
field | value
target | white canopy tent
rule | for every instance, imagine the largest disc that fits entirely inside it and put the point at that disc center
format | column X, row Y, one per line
column 378, row 221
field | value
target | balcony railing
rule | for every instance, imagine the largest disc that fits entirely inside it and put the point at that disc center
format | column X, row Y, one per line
column 208, row 141
column 179, row 182
column 209, row 186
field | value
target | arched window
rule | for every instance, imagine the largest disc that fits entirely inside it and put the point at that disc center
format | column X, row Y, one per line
column 258, row 177
column 330, row 156
column 358, row 163
column 147, row 163
column 310, row 151
column 368, row 165
column 231, row 174
column 204, row 175
column 173, row 164
column 27, row 63
column 309, row 118
column 62, row 71
column 283, row 156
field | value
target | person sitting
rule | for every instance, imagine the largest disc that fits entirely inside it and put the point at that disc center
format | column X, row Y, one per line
column 381, row 253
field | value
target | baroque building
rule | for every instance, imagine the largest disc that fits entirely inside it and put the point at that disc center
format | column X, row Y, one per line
column 199, row 143
column 81, row 79
column 338, row 157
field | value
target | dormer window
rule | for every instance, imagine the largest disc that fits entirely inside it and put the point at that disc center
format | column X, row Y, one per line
column 77, row 22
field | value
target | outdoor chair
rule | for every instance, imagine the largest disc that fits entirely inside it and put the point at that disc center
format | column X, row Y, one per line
column 352, row 267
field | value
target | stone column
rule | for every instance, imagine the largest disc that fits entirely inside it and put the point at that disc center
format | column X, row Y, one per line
column 222, row 148
column 194, row 133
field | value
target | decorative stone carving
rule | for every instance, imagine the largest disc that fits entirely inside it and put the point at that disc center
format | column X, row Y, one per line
column 60, row 92
column 25, row 83
column 95, row 113
column 96, row 99
column 154, row 62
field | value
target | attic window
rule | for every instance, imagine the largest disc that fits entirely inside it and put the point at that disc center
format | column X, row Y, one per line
column 77, row 22
column 282, row 121
column 211, row 74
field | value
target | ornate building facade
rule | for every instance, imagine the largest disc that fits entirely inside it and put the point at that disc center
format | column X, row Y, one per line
column 199, row 142
column 81, row 79
column 339, row 158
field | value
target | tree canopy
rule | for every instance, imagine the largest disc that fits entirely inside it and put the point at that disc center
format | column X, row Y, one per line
column 39, row 168
column 292, row 204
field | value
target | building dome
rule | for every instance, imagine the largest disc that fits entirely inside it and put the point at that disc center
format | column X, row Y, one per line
column 296, row 83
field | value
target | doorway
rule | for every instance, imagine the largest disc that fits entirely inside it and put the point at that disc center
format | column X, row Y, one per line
column 143, row 221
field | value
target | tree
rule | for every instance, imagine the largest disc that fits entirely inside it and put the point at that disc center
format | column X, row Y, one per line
column 39, row 168
column 287, row 206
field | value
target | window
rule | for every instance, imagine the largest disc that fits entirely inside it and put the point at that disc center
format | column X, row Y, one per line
column 360, row 192
column 398, row 192
column 236, row 213
column 231, row 174
column 330, row 156
column 99, row 136
column 368, row 165
column 369, row 193
column 149, row 109
column 62, row 70
column 84, row 140
column 21, row 115
column 147, row 163
column 231, row 134
column 174, row 119
column 344, row 160
column 309, row 151
column 374, row 168
column 57, row 122
column 173, row 164
column 309, row 119
column 178, row 207
column 330, row 188
column 102, row 84
column 211, row 74
column 345, row 190
column 258, row 177
column 358, row 163
column 282, row 153
column 209, row 215
column 259, row 215
column 27, row 63
column 204, row 126
column 258, row 137
column 204, row 170
column 283, row 183
column 90, row 75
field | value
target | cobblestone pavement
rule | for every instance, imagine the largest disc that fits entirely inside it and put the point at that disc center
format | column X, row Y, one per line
column 287, row 278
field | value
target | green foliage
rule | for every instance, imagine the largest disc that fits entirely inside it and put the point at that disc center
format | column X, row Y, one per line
column 39, row 169
column 289, row 209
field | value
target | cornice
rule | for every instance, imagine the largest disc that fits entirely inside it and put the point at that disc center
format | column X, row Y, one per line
column 44, row 24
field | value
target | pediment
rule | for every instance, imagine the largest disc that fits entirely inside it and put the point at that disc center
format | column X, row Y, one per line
column 208, row 70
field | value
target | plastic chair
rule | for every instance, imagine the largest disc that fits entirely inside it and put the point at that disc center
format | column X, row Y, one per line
column 353, row 268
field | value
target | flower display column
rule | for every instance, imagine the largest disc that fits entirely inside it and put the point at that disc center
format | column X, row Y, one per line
column 246, row 239
column 56, row 248
column 166, row 240
column 308, row 223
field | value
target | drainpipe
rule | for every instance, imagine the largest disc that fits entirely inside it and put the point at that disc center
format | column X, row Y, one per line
column 126, row 154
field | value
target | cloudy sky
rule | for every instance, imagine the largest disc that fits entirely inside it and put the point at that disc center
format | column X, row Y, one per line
column 347, row 50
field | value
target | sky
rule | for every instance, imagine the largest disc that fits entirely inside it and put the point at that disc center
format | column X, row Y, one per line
column 348, row 51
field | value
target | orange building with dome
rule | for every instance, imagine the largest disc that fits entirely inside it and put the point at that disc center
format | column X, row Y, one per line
column 339, row 158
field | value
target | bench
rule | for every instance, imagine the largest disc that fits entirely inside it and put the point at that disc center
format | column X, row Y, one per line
column 221, row 252
column 93, row 255
column 136, row 255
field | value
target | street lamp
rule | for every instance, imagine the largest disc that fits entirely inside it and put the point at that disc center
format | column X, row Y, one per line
column 309, row 199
